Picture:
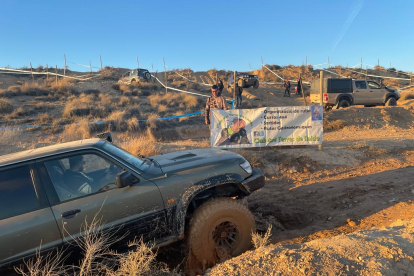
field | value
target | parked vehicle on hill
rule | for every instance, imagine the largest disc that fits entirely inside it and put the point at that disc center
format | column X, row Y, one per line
column 46, row 194
column 341, row 93
column 135, row 76
column 244, row 80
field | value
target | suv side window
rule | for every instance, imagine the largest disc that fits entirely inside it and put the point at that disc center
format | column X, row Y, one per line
column 81, row 175
column 373, row 85
column 360, row 84
column 18, row 195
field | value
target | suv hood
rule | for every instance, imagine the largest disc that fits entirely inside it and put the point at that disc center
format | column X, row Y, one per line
column 184, row 160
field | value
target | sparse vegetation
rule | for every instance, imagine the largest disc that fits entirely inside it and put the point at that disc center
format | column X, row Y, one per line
column 333, row 125
column 5, row 106
column 259, row 240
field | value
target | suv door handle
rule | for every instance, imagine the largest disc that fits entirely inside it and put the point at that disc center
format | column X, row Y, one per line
column 70, row 214
column 356, row 90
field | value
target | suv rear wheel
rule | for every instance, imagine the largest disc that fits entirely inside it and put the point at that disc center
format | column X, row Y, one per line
column 343, row 103
column 256, row 84
column 391, row 102
column 220, row 227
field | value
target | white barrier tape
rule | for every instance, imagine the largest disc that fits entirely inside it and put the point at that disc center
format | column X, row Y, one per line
column 355, row 65
column 45, row 73
column 318, row 64
column 406, row 87
column 273, row 72
column 334, row 73
column 171, row 88
column 87, row 66
column 188, row 78
column 394, row 71
column 368, row 75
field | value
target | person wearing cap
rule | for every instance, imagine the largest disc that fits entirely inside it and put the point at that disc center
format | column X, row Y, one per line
column 215, row 101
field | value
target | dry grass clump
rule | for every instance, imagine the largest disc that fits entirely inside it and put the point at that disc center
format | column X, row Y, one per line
column 18, row 112
column 44, row 118
column 259, row 240
column 109, row 73
column 5, row 106
column 407, row 96
column 8, row 136
column 88, row 105
column 141, row 144
column 81, row 130
column 175, row 100
column 333, row 125
column 139, row 89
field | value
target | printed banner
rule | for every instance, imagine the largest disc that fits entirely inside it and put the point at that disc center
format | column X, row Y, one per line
column 268, row 126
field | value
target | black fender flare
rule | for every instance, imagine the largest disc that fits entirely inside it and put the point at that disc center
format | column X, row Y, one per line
column 344, row 96
column 197, row 188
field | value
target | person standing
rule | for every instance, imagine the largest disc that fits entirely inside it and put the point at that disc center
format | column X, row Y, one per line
column 215, row 101
column 239, row 91
column 220, row 86
column 299, row 87
column 287, row 88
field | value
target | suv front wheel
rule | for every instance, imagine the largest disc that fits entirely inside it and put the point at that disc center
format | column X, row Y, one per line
column 220, row 227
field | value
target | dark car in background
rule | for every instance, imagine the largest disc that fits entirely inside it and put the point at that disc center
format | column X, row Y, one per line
column 244, row 80
column 135, row 76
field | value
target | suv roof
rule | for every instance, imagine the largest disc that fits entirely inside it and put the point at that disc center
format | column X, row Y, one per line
column 49, row 150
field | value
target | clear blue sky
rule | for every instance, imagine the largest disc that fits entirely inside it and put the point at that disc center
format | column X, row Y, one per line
column 207, row 34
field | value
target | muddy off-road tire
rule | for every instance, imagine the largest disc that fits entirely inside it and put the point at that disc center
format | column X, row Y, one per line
column 391, row 102
column 256, row 84
column 344, row 103
column 147, row 76
column 133, row 81
column 221, row 224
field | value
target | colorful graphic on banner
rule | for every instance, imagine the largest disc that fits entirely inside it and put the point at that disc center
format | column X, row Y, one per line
column 268, row 126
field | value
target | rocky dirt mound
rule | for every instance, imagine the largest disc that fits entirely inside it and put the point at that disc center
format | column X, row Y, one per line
column 383, row 251
column 371, row 118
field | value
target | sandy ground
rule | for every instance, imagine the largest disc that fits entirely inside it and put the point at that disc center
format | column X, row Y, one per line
column 344, row 210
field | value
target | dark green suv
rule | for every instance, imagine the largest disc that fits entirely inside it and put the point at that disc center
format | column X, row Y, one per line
column 244, row 80
column 46, row 194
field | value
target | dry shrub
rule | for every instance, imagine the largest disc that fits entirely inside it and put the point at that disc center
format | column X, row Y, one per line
column 142, row 144
column 124, row 101
column 51, row 264
column 8, row 136
column 162, row 108
column 5, row 106
column 174, row 100
column 43, row 118
column 87, row 105
column 109, row 73
column 334, row 125
column 133, row 124
column 259, row 240
column 34, row 89
column 15, row 114
column 407, row 96
column 63, row 86
column 78, row 131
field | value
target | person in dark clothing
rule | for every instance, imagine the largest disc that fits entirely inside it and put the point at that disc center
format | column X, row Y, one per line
column 220, row 86
column 287, row 88
column 75, row 178
column 239, row 99
column 214, row 102
column 299, row 87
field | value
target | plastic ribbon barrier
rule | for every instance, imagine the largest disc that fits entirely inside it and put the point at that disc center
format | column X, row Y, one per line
column 188, row 78
column 18, row 71
column 83, row 65
column 368, row 75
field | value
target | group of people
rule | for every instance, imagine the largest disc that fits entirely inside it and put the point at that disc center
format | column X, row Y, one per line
column 298, row 88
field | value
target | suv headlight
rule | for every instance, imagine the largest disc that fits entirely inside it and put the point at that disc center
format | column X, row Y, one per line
column 246, row 166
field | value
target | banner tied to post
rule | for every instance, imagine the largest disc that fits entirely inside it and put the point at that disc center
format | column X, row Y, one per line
column 268, row 126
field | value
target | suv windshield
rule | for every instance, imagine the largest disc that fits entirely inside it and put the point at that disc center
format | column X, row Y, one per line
column 127, row 157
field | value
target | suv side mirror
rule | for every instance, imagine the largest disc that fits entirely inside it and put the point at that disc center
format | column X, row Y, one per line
column 124, row 179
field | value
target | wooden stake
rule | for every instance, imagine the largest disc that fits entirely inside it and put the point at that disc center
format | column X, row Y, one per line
column 262, row 63
column 47, row 72
column 306, row 61
column 100, row 57
column 366, row 72
column 165, row 74
column 250, row 67
column 31, row 70
column 378, row 62
column 361, row 63
column 90, row 66
column 321, row 95
column 301, row 89
column 56, row 74
column 138, row 62
column 64, row 69
column 234, row 90
column 329, row 65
